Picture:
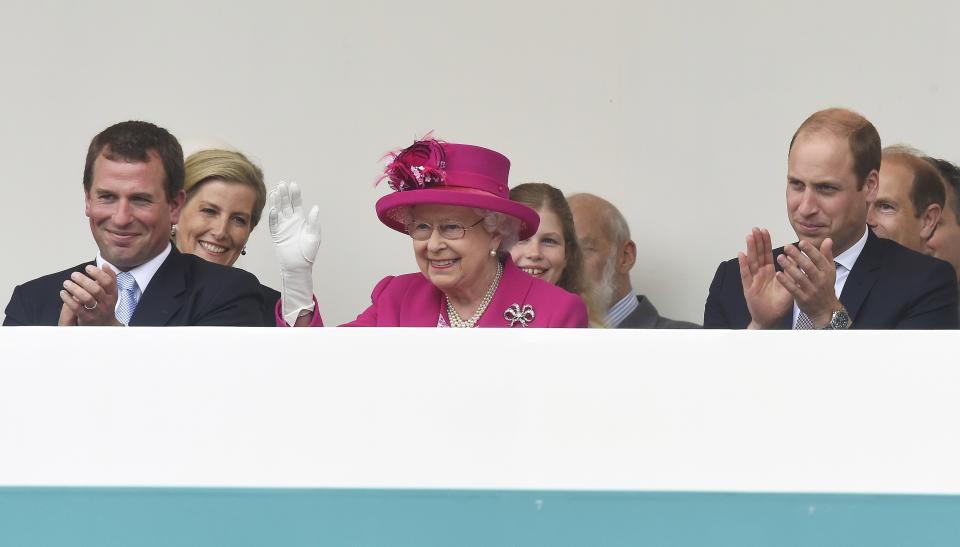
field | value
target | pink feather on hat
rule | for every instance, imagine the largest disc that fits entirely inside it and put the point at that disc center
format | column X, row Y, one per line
column 418, row 166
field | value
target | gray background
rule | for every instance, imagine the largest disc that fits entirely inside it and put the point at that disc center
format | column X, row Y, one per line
column 679, row 112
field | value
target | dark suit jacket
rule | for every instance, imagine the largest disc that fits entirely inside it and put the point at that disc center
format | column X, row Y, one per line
column 268, row 311
column 647, row 317
column 185, row 291
column 889, row 287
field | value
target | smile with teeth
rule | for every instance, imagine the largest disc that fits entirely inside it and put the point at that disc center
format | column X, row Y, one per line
column 536, row 272
column 211, row 248
column 441, row 264
column 122, row 235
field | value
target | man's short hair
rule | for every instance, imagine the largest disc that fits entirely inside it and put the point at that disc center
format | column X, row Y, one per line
column 131, row 142
column 927, row 185
column 861, row 135
column 951, row 175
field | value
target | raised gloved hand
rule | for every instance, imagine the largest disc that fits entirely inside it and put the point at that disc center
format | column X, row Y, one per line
column 296, row 240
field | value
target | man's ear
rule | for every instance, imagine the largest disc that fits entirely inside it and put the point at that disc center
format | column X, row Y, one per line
column 86, row 203
column 872, row 185
column 176, row 206
column 628, row 257
column 929, row 220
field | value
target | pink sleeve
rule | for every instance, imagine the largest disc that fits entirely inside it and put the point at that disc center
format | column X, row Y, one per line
column 315, row 321
column 369, row 316
column 366, row 319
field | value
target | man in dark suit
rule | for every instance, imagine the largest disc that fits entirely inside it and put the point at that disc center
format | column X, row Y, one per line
column 840, row 275
column 133, row 188
column 609, row 255
column 945, row 241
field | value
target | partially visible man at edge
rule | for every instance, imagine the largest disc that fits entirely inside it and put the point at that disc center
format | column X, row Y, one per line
column 945, row 241
column 840, row 275
column 133, row 194
column 909, row 201
column 608, row 256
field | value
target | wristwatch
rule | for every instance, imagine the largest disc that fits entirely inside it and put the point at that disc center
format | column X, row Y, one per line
column 840, row 320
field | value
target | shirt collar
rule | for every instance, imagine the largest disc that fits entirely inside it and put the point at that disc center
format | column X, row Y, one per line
column 144, row 272
column 849, row 257
column 619, row 311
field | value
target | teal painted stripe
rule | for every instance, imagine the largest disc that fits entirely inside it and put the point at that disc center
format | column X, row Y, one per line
column 107, row 517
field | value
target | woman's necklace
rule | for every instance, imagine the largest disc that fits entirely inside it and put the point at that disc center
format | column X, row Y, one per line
column 458, row 323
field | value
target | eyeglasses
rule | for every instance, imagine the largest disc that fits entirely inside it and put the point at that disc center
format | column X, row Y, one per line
column 421, row 231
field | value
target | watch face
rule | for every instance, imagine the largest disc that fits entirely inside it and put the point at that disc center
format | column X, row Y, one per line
column 840, row 320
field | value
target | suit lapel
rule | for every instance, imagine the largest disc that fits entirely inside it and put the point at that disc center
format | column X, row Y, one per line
column 162, row 299
column 865, row 272
column 643, row 317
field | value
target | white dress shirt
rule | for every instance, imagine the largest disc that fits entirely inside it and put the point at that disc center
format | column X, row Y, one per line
column 619, row 311
column 142, row 273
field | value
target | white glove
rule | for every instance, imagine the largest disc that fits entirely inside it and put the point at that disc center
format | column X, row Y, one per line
column 296, row 239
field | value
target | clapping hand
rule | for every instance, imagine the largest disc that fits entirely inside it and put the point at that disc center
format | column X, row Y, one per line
column 89, row 299
column 809, row 275
column 767, row 299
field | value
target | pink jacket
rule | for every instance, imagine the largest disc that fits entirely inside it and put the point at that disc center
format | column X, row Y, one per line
column 521, row 300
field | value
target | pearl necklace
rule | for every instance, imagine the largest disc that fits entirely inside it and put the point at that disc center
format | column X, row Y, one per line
column 458, row 323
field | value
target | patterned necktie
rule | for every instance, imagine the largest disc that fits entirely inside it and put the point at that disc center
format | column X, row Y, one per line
column 127, row 297
column 803, row 322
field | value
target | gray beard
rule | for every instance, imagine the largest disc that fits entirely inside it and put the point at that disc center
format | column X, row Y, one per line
column 604, row 293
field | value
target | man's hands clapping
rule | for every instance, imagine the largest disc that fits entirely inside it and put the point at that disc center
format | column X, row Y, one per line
column 89, row 299
column 808, row 278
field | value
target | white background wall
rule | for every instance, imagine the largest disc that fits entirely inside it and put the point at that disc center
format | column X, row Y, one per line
column 680, row 113
column 698, row 413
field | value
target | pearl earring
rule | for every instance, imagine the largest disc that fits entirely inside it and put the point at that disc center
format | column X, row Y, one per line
column 173, row 231
column 493, row 252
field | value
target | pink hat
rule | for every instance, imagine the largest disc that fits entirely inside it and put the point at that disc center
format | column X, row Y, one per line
column 431, row 171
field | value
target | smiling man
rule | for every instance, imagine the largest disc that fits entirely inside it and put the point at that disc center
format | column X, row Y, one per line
column 133, row 194
column 909, row 200
column 839, row 275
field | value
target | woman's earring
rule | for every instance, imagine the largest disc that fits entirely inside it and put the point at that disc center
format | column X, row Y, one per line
column 173, row 231
column 244, row 250
column 493, row 252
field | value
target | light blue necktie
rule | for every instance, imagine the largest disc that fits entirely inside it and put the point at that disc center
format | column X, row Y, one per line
column 127, row 297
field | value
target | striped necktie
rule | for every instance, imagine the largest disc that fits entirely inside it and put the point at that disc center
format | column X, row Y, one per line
column 127, row 297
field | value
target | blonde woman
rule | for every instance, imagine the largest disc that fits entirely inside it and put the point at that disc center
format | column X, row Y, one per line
column 225, row 199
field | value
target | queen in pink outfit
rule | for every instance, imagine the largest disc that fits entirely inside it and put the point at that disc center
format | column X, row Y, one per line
column 452, row 201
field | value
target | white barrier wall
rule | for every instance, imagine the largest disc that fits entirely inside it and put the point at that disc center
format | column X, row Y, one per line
column 519, row 409
column 679, row 112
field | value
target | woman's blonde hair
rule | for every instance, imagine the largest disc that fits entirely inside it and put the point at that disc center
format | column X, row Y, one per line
column 228, row 166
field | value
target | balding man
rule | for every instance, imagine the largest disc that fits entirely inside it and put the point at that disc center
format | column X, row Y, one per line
column 840, row 275
column 909, row 200
column 609, row 254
